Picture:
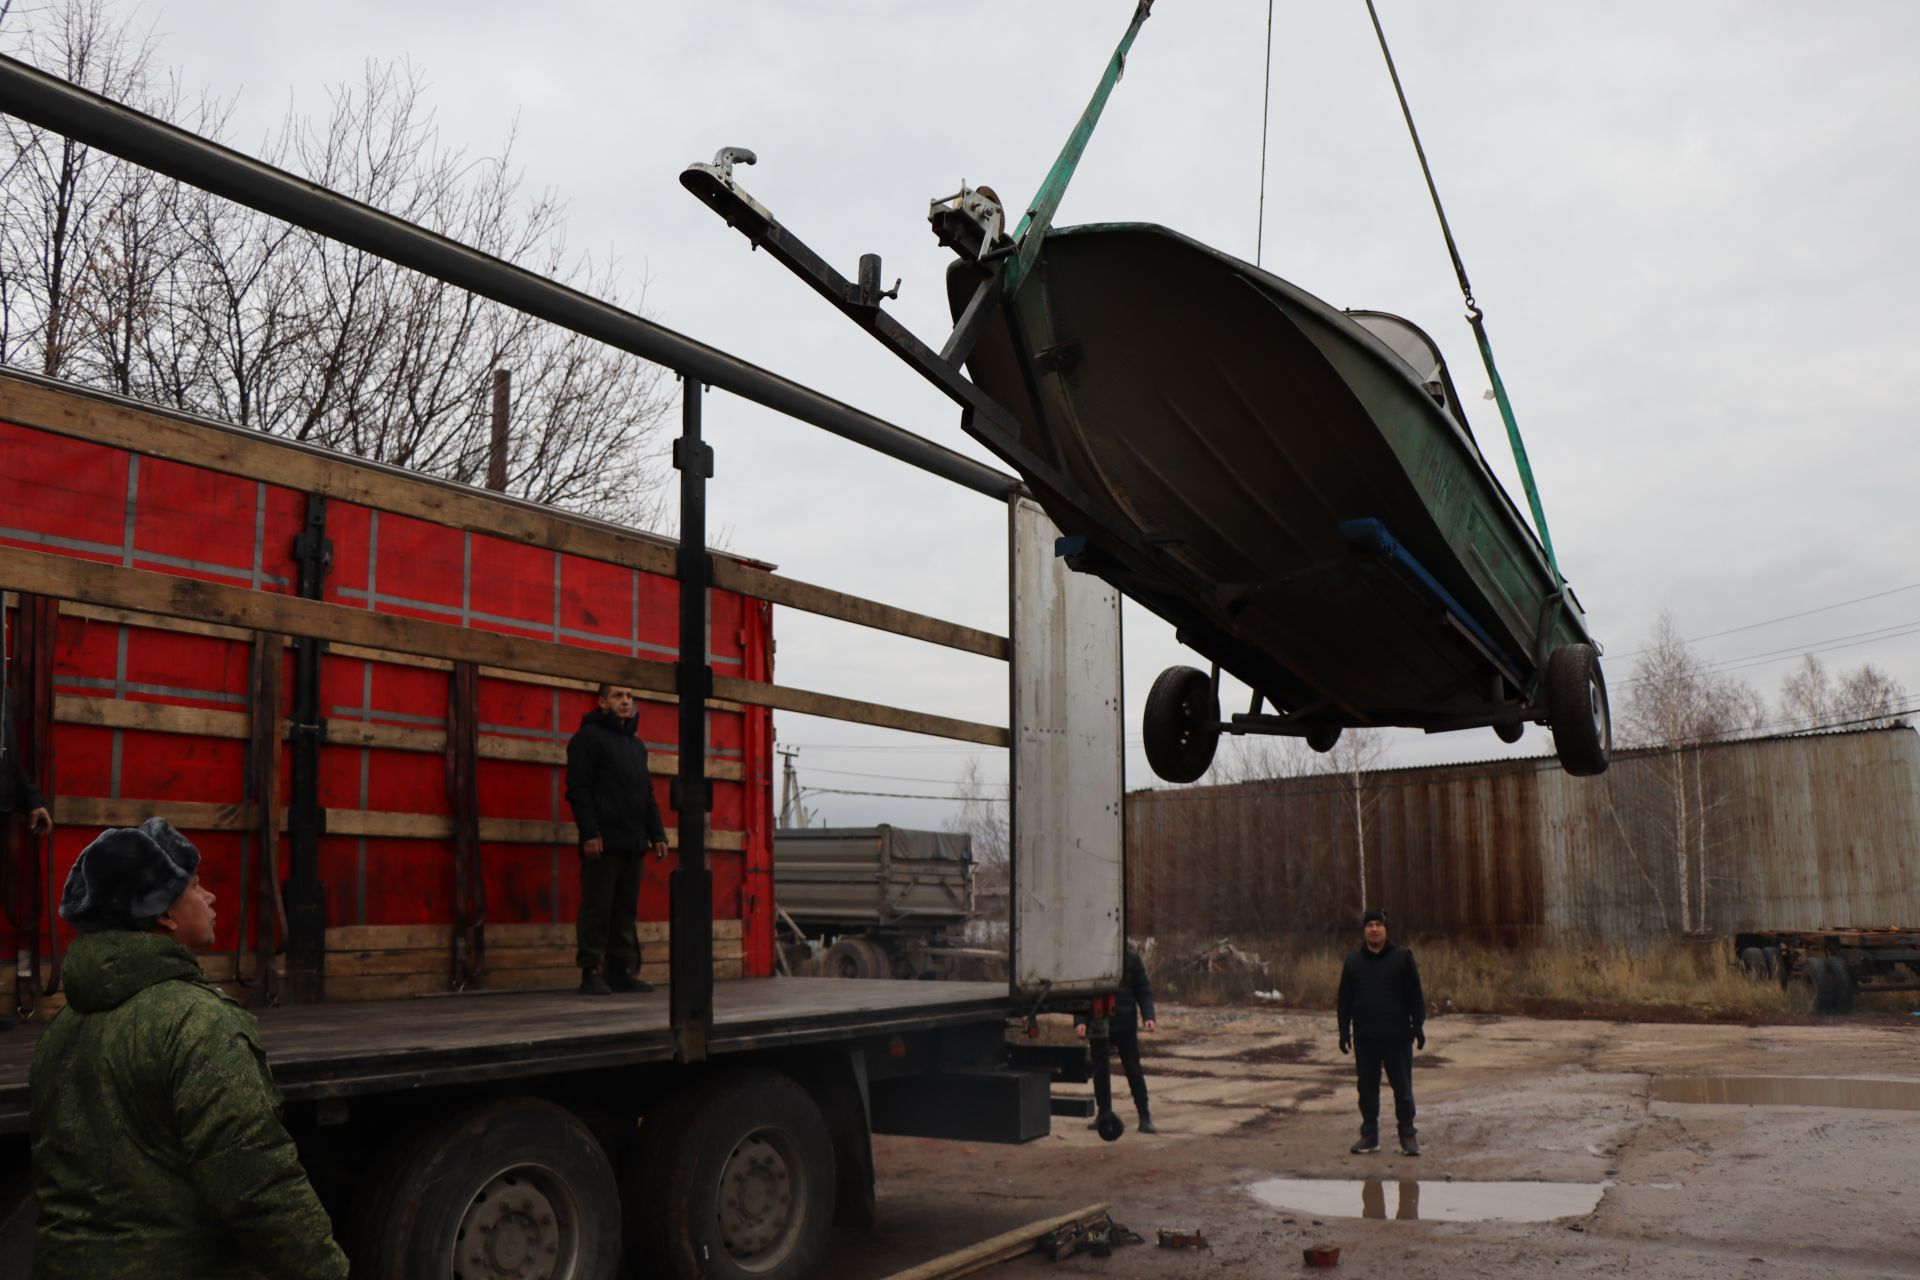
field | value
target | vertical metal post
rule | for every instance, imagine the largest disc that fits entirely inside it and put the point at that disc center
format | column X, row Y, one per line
column 690, row 889
column 305, row 898
column 497, row 446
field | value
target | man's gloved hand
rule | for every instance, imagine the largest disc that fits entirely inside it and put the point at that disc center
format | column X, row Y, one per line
column 1346, row 1045
column 1420, row 1039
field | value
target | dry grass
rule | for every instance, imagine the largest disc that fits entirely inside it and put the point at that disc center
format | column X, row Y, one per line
column 1679, row 980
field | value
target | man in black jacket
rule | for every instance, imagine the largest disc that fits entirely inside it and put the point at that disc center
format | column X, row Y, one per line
column 1383, row 1015
column 1132, row 1009
column 611, row 794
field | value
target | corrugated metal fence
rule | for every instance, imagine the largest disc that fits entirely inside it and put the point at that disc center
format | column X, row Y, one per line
column 1793, row 832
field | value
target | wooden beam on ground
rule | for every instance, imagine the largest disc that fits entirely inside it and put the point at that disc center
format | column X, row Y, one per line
column 992, row 1252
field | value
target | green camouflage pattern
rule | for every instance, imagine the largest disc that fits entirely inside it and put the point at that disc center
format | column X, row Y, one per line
column 158, row 1150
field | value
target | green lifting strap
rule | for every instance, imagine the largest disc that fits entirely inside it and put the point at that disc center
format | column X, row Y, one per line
column 1474, row 315
column 1039, row 216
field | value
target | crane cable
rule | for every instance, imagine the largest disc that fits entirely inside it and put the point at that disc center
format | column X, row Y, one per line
column 1474, row 314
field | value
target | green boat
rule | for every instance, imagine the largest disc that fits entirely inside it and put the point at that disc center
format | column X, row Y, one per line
column 1312, row 468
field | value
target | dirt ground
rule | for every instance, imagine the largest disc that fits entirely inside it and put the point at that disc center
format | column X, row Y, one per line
column 1242, row 1095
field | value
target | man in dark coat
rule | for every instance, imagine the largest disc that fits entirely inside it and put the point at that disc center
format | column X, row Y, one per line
column 611, row 794
column 1383, row 1015
column 1132, row 1009
column 158, row 1151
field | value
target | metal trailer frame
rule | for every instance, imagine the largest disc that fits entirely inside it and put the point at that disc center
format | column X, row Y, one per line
column 45, row 100
column 1836, row 964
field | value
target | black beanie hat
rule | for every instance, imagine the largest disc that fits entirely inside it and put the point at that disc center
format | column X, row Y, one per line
column 128, row 877
column 1371, row 914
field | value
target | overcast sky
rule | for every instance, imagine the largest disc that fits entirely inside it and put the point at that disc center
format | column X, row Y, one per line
column 1689, row 226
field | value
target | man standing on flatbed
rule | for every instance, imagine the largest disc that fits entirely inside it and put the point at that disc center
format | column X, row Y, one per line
column 158, row 1152
column 611, row 795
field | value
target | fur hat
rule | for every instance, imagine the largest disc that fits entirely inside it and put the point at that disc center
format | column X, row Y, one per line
column 128, row 877
column 1371, row 914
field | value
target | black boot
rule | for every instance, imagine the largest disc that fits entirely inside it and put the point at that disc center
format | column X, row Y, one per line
column 592, row 984
column 620, row 980
column 1146, row 1124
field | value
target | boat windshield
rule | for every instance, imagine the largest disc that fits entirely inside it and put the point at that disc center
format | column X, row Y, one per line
column 1418, row 352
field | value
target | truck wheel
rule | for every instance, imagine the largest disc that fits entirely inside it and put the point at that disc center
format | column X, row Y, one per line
column 851, row 958
column 736, row 1180
column 515, row 1188
column 1577, row 708
column 1181, row 726
column 1753, row 963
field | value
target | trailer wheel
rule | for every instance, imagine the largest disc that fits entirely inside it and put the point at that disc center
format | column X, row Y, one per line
column 1323, row 737
column 1839, row 986
column 1182, row 724
column 1774, row 962
column 1753, row 963
column 735, row 1180
column 1577, row 708
column 515, row 1188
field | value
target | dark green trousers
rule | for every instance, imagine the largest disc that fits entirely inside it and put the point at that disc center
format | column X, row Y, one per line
column 609, row 901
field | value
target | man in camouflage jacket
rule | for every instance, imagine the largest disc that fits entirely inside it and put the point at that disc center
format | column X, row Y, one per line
column 158, row 1150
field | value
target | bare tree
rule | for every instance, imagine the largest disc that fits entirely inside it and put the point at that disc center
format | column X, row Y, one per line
column 1677, row 702
column 114, row 277
column 983, row 816
column 1354, row 760
column 1867, row 695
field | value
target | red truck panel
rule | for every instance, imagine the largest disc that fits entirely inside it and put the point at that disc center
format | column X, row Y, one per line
column 81, row 499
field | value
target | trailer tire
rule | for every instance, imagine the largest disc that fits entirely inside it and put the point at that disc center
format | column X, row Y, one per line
column 1181, row 725
column 485, row 1193
column 1839, row 986
column 734, row 1180
column 1774, row 961
column 1753, row 962
column 1577, row 707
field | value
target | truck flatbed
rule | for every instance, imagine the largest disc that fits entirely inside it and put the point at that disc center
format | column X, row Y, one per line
column 340, row 1049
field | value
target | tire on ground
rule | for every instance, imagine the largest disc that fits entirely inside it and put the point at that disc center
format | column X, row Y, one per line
column 1578, row 710
column 1753, row 963
column 1774, row 961
column 734, row 1180
column 509, row 1188
column 1181, row 725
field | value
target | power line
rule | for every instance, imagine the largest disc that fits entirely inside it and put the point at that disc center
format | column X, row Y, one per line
column 1785, row 617
column 886, row 777
column 895, row 795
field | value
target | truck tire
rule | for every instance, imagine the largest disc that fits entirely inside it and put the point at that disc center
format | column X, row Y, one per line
column 852, row 958
column 1181, row 725
column 511, row 1188
column 1753, row 962
column 734, row 1180
column 1578, row 710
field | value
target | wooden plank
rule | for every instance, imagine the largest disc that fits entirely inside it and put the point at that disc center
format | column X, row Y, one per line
column 255, row 456
column 393, row 737
column 771, row 587
column 393, row 937
column 396, row 986
column 997, row 1249
column 783, row 698
column 69, row 578
column 132, row 618
column 188, row 815
column 439, row 959
column 156, row 717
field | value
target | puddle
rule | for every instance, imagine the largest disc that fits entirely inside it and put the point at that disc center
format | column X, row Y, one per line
column 1432, row 1201
column 1789, row 1091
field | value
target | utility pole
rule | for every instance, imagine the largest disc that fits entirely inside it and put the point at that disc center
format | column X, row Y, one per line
column 793, row 813
column 497, row 446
